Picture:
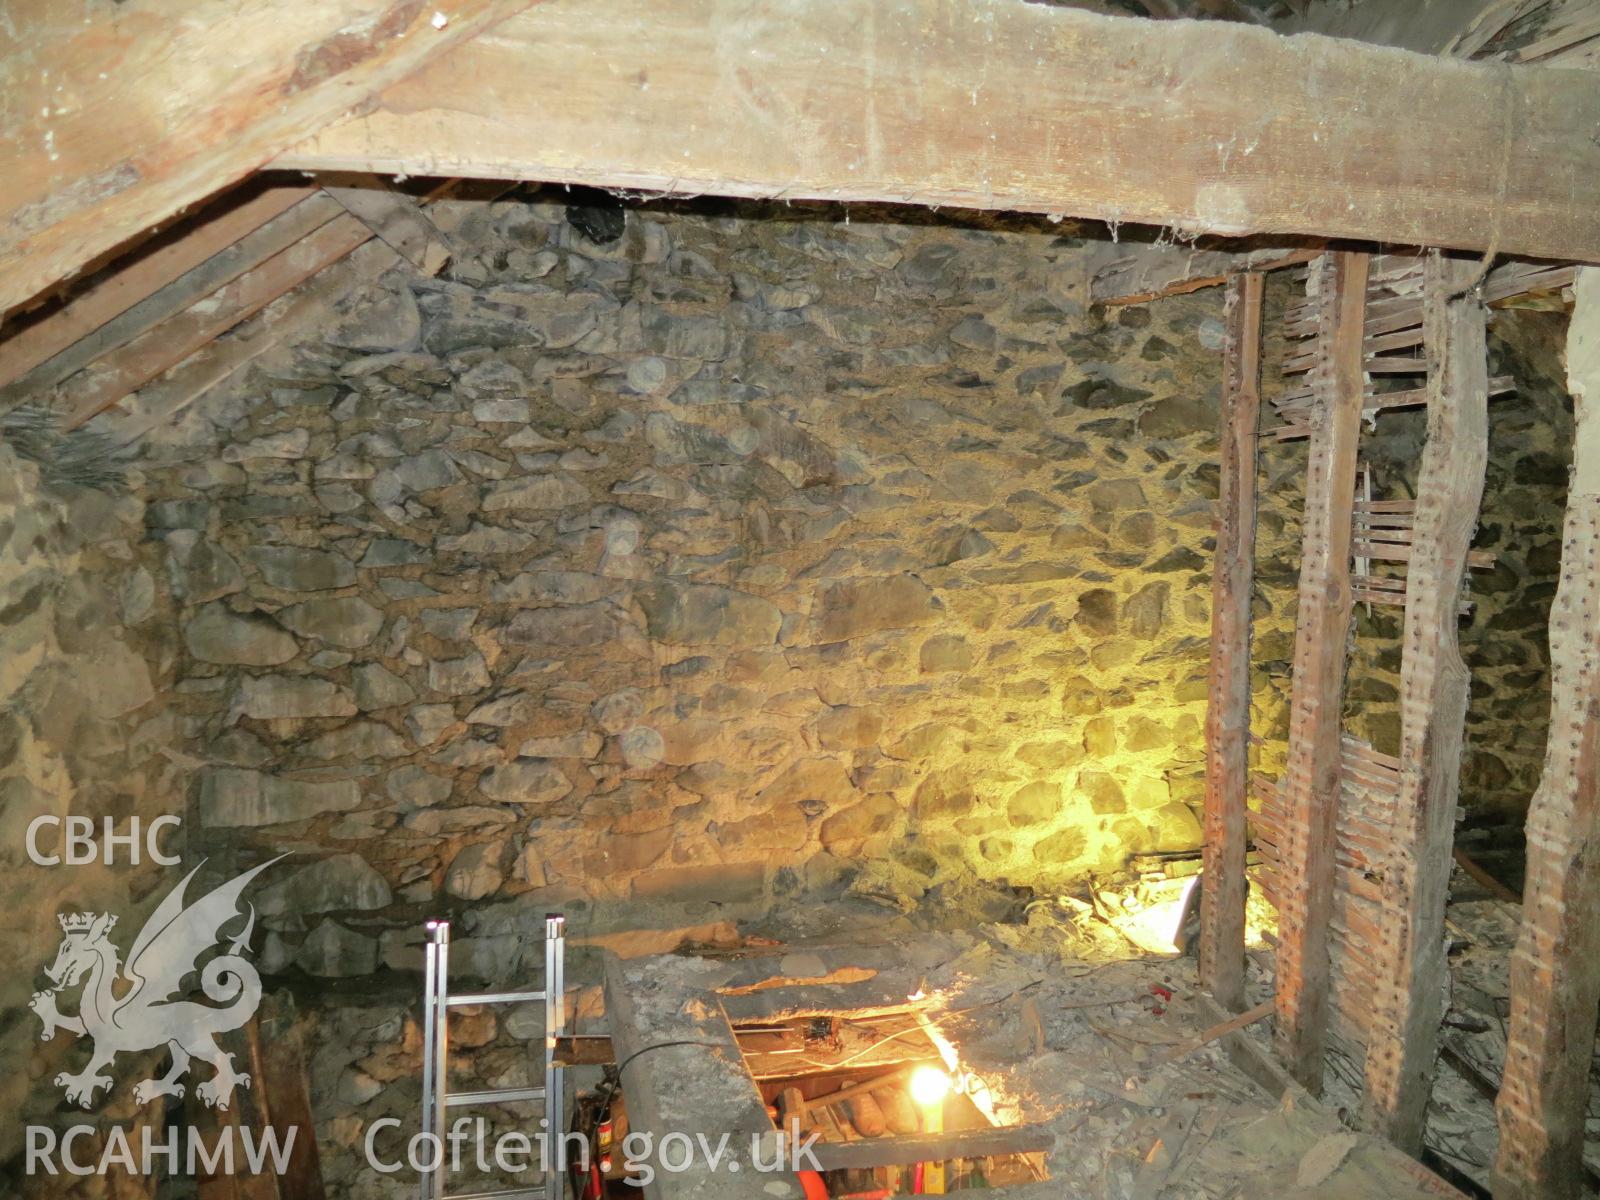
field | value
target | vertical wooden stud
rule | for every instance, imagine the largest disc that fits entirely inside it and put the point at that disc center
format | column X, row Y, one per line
column 1408, row 959
column 1228, row 714
column 1555, row 968
column 1322, row 630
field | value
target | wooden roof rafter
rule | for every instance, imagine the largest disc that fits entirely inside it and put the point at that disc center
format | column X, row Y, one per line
column 120, row 119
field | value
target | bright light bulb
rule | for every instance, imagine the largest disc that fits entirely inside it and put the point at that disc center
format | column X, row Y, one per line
column 929, row 1086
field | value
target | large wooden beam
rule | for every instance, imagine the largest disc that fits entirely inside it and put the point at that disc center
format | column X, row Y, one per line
column 1322, row 627
column 684, row 1074
column 1409, row 963
column 1555, row 968
column 1204, row 126
column 1228, row 713
column 117, row 118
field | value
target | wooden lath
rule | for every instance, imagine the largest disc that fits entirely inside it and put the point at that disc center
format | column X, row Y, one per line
column 1397, row 323
column 1386, row 530
column 1391, row 854
column 1295, row 407
column 1368, row 784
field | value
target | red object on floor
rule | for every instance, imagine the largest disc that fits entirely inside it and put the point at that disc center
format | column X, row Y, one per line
column 1163, row 995
column 813, row 1186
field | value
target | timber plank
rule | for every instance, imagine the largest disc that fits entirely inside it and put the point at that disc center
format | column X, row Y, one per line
column 230, row 262
column 398, row 221
column 147, row 356
column 25, row 348
column 905, row 1149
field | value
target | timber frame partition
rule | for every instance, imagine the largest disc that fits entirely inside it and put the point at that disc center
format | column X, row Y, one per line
column 1358, row 844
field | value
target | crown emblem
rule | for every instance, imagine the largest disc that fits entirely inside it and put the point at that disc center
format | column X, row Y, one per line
column 81, row 922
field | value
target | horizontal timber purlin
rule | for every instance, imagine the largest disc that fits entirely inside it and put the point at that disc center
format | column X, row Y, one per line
column 1003, row 105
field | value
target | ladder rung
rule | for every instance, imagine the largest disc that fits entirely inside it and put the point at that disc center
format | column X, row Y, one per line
column 495, row 1096
column 533, row 1193
column 493, row 998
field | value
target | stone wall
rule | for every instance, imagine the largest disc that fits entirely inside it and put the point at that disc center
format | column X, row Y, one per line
column 86, row 651
column 747, row 557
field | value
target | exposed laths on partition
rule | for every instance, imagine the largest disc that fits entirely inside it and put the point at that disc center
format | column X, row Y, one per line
column 1311, row 779
column 1414, row 868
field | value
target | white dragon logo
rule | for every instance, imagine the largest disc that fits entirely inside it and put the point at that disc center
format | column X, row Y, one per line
column 142, row 1013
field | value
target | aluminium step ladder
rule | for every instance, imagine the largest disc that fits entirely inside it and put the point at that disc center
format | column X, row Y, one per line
column 436, row 1095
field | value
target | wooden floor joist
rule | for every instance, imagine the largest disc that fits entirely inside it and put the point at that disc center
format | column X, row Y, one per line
column 1228, row 712
column 1207, row 127
column 1408, row 957
column 1555, row 968
column 1311, row 777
